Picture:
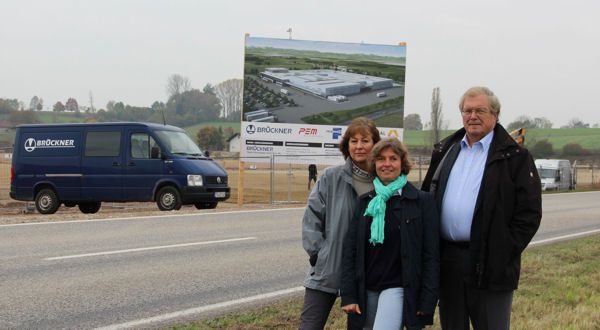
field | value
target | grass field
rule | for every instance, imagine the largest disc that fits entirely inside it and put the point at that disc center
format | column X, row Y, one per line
column 193, row 130
column 421, row 139
column 588, row 138
column 341, row 116
column 47, row 117
column 7, row 138
column 257, row 60
column 559, row 289
column 384, row 121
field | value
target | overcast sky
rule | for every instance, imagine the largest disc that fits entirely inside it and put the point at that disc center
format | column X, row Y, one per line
column 542, row 58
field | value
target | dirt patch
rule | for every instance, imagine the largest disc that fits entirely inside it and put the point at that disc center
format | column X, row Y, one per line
column 13, row 212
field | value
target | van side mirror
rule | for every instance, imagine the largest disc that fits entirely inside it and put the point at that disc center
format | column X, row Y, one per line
column 155, row 152
column 206, row 153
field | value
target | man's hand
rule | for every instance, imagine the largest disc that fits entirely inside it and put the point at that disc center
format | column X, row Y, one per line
column 351, row 309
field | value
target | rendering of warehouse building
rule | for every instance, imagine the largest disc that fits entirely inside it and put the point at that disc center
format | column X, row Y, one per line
column 325, row 83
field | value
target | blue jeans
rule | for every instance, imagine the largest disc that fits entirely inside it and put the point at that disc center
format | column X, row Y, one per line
column 384, row 309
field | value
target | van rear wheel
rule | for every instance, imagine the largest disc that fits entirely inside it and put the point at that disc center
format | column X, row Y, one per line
column 89, row 207
column 46, row 201
column 168, row 199
column 206, row 205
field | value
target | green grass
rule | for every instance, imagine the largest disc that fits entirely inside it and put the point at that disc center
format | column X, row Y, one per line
column 588, row 138
column 46, row 117
column 391, row 120
column 559, row 289
column 257, row 60
column 338, row 117
column 421, row 139
column 8, row 138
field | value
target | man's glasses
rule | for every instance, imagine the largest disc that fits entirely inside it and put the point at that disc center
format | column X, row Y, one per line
column 469, row 112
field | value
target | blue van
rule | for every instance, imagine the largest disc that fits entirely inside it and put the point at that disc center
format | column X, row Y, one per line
column 86, row 164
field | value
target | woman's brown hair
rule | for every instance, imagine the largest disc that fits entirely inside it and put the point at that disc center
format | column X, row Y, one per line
column 397, row 147
column 363, row 126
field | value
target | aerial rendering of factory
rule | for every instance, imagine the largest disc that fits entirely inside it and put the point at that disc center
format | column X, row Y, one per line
column 326, row 83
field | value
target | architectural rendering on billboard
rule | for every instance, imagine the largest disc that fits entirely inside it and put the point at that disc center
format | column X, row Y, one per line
column 299, row 95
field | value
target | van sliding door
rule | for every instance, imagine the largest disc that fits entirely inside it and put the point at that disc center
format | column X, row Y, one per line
column 102, row 165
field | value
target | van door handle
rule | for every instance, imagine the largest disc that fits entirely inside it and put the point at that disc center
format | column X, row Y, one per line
column 131, row 164
column 116, row 164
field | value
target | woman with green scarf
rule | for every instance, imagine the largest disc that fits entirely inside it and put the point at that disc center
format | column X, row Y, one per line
column 390, row 260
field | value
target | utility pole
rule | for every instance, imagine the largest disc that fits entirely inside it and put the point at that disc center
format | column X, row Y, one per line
column 92, row 109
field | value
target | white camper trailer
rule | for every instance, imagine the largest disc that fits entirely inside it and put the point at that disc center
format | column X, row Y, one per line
column 555, row 174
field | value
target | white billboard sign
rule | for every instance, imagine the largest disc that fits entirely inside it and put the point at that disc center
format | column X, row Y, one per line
column 300, row 95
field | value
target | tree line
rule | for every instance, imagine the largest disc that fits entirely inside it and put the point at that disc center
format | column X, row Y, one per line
column 184, row 106
column 413, row 121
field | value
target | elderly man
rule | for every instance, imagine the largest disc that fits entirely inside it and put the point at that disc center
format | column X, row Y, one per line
column 489, row 195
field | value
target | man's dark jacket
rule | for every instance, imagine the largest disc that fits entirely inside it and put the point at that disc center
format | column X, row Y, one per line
column 419, row 232
column 508, row 210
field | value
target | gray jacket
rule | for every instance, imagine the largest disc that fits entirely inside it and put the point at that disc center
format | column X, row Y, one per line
column 324, row 225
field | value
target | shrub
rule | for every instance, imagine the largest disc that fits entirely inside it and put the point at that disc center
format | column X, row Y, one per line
column 542, row 149
column 574, row 149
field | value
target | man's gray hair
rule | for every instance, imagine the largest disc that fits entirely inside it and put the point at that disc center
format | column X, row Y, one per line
column 481, row 90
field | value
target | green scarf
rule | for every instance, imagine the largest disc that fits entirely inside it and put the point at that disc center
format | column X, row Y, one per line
column 376, row 207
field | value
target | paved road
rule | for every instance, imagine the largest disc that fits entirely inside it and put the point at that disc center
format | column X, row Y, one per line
column 98, row 273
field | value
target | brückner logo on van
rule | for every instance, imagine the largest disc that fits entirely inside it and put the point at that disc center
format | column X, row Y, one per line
column 31, row 144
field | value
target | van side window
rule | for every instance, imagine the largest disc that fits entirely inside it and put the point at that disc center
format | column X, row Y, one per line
column 103, row 144
column 141, row 144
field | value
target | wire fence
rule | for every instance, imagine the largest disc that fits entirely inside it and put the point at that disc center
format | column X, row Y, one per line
column 264, row 180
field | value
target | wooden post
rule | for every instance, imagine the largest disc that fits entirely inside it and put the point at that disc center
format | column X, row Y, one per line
column 241, row 183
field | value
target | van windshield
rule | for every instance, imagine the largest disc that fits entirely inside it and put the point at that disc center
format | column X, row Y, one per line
column 179, row 143
column 546, row 173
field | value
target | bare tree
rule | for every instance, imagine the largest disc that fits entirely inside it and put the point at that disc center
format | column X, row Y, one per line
column 34, row 103
column 229, row 93
column 177, row 84
column 576, row 123
column 437, row 118
column 542, row 122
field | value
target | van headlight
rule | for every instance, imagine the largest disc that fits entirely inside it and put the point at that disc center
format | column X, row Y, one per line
column 194, row 180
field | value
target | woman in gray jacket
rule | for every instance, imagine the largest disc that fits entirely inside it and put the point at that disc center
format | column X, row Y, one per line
column 325, row 222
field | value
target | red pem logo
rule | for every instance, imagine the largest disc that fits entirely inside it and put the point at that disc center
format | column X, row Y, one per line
column 307, row 131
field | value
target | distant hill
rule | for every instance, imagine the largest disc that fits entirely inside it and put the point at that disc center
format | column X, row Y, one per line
column 588, row 138
column 44, row 117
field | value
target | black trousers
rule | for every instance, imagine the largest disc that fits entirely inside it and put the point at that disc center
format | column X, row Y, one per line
column 317, row 305
column 461, row 301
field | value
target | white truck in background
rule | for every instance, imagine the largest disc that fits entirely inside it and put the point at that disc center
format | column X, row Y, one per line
column 555, row 174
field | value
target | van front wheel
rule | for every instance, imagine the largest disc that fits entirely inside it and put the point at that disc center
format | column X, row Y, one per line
column 89, row 207
column 46, row 201
column 168, row 199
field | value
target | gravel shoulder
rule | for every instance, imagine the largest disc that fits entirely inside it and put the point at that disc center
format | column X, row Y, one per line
column 14, row 212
